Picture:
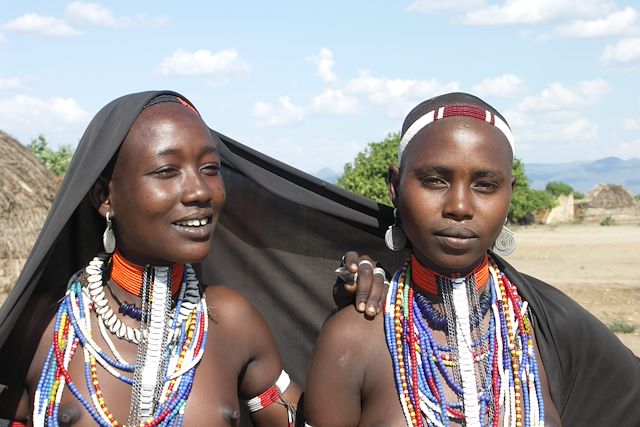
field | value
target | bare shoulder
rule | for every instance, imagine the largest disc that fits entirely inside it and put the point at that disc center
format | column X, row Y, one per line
column 233, row 318
column 349, row 337
column 228, row 305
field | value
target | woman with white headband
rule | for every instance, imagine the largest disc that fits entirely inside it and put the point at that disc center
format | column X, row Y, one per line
column 466, row 339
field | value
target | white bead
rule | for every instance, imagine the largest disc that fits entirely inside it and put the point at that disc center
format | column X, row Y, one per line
column 100, row 310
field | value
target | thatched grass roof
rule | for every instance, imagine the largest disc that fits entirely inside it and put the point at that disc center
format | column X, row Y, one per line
column 27, row 189
column 610, row 196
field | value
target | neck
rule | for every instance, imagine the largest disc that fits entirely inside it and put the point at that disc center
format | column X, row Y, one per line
column 425, row 279
column 129, row 276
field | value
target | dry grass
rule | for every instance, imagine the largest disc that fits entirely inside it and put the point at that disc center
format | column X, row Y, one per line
column 27, row 189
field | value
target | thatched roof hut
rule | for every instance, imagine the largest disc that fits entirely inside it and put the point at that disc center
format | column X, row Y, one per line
column 610, row 196
column 609, row 201
column 27, row 189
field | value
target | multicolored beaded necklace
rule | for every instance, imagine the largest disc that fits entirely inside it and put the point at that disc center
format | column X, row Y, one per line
column 492, row 373
column 171, row 343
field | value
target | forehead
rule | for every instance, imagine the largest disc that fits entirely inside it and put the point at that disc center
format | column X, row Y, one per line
column 166, row 124
column 458, row 141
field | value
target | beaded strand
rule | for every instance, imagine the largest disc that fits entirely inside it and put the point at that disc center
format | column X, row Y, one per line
column 511, row 384
column 72, row 329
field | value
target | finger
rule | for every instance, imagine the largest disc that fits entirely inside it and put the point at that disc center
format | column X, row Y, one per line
column 364, row 282
column 342, row 296
column 345, row 275
column 385, row 291
column 376, row 294
column 351, row 259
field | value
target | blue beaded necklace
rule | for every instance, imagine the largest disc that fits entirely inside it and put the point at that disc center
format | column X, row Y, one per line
column 510, row 386
column 72, row 330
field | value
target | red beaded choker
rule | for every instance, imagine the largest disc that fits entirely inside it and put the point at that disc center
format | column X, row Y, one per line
column 129, row 275
column 425, row 279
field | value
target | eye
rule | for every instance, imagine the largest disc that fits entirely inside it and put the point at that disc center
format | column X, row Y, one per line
column 433, row 182
column 487, row 186
column 211, row 169
column 165, row 172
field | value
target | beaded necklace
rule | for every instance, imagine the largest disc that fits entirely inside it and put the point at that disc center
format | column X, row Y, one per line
column 174, row 351
column 129, row 275
column 497, row 373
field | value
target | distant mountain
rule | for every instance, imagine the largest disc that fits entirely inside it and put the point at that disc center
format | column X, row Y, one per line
column 583, row 176
column 328, row 175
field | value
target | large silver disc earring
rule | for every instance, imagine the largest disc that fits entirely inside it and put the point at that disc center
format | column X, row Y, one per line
column 505, row 244
column 108, row 237
column 394, row 237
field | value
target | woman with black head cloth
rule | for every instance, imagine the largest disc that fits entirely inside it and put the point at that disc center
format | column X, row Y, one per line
column 466, row 339
column 136, row 339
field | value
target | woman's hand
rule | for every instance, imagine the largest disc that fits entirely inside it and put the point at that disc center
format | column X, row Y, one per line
column 361, row 282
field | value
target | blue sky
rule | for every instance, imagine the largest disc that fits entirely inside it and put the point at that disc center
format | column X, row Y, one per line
column 312, row 83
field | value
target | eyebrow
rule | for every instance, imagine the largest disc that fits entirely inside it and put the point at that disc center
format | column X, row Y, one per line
column 447, row 171
column 209, row 149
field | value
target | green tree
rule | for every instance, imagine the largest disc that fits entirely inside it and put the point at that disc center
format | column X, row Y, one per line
column 56, row 161
column 526, row 201
column 366, row 175
column 557, row 189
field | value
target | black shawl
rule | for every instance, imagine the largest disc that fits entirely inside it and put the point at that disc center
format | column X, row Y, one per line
column 279, row 239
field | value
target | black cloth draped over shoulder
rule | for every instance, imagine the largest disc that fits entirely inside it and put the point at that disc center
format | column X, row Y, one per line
column 278, row 242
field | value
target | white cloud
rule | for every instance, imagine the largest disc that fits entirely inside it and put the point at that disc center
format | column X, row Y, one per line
column 93, row 14
column 286, row 112
column 98, row 15
column 552, row 122
column 203, row 62
column 397, row 95
column 311, row 153
column 631, row 124
column 625, row 149
column 436, row 6
column 2, row 39
column 334, row 102
column 514, row 12
column 46, row 26
column 25, row 117
column 324, row 65
column 11, row 83
column 621, row 22
column 557, row 97
column 624, row 52
column 504, row 86
column 552, row 126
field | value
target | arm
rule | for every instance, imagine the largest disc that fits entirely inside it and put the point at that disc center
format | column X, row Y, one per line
column 251, row 339
column 333, row 394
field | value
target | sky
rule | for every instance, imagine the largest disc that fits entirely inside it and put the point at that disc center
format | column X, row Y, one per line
column 311, row 84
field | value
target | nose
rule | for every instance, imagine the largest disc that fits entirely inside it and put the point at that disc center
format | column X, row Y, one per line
column 458, row 203
column 196, row 189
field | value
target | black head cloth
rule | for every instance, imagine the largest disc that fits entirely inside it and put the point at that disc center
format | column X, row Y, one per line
column 70, row 237
column 279, row 240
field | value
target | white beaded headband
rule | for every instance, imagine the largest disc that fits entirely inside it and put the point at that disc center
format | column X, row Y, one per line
column 452, row 111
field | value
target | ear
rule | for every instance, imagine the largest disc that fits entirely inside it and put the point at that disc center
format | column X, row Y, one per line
column 393, row 183
column 99, row 196
column 513, row 183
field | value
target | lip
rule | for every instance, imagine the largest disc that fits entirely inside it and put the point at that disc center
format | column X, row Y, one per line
column 196, row 232
column 456, row 239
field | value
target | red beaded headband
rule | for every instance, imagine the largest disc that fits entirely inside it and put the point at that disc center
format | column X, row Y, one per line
column 451, row 111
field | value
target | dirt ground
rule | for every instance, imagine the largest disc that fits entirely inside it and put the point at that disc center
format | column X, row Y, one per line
column 598, row 266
